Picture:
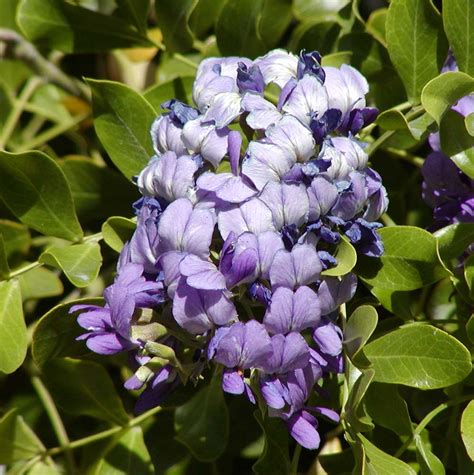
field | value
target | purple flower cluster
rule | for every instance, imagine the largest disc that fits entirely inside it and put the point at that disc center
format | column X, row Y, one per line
column 243, row 206
column 446, row 189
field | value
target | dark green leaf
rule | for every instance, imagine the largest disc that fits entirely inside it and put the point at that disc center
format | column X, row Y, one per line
column 376, row 25
column 359, row 381
column 39, row 283
column 410, row 260
column 135, row 11
column 16, row 238
column 346, row 259
column 275, row 458
column 469, row 123
column 117, row 231
column 203, row 16
column 457, row 143
column 429, row 463
column 469, row 273
column 128, row 456
column 17, row 440
column 236, row 28
column 378, row 398
column 416, row 43
column 84, row 388
column 12, row 327
column 420, row 356
column 56, row 332
column 324, row 34
column 360, row 326
column 172, row 19
column 444, row 91
column 381, row 463
column 452, row 241
column 275, row 18
column 43, row 204
column 458, row 18
column 202, row 424
column 122, row 120
column 73, row 29
column 337, row 59
column 4, row 267
column 179, row 88
column 395, row 301
column 80, row 263
column 467, row 429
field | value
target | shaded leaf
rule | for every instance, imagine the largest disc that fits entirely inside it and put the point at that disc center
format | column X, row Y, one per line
column 429, row 463
column 136, row 12
column 13, row 333
column 360, row 326
column 467, row 429
column 44, row 205
column 4, row 267
column 275, row 17
column 117, row 231
column 39, row 283
column 179, row 88
column 452, row 241
column 203, row 16
column 16, row 238
column 419, row 356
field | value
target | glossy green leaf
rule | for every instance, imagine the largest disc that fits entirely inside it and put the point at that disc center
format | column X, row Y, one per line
column 452, row 241
column 202, row 424
column 381, row 396
column 128, row 456
column 429, row 463
column 360, row 326
column 376, row 25
column 84, row 388
column 17, row 440
column 179, row 88
column 136, row 12
column 275, row 458
column 203, row 16
column 117, row 231
column 410, row 260
column 172, row 19
column 416, row 43
column 346, row 257
column 73, row 29
column 39, row 283
column 56, row 332
column 382, row 463
column 420, row 356
column 43, row 204
column 458, row 18
column 236, row 28
column 16, row 238
column 80, row 262
column 467, row 429
column 122, row 120
column 444, row 91
column 307, row 9
column 395, row 120
column 98, row 192
column 457, row 143
column 275, row 18
column 12, row 327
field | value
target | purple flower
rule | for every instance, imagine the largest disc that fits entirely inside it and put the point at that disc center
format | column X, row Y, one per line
column 166, row 136
column 278, row 66
column 250, row 79
column 310, row 63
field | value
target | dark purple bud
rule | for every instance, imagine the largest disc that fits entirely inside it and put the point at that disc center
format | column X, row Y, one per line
column 250, row 79
column 363, row 235
column 180, row 113
column 327, row 260
column 260, row 293
column 310, row 63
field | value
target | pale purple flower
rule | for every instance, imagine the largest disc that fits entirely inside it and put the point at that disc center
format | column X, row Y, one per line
column 166, row 136
column 278, row 66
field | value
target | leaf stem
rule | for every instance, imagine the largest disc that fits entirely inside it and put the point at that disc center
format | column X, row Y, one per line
column 17, row 110
column 56, row 421
column 295, row 460
column 404, row 155
column 104, row 434
column 185, row 60
column 429, row 417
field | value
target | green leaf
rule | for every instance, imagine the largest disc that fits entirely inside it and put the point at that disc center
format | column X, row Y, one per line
column 397, row 302
column 381, row 396
column 469, row 123
column 346, row 257
column 16, row 238
column 452, row 241
column 13, row 333
column 275, row 458
column 359, row 382
column 236, row 28
column 80, row 263
column 4, row 267
column 84, row 388
column 444, row 91
column 43, row 204
column 467, row 429
column 457, row 143
column 458, row 18
column 416, row 43
column 469, row 273
column 39, row 283
column 419, row 356
column 202, row 424
column 73, row 29
column 135, row 11
column 17, row 440
column 117, row 231
column 324, row 34
column 128, row 456
column 98, row 192
column 394, row 120
column 382, row 463
column 376, row 25
column 203, row 16
column 429, row 463
column 179, row 88
column 122, row 120
column 56, row 332
column 274, row 19
column 172, row 19
column 336, row 59
column 410, row 260
column 307, row 9
column 360, row 326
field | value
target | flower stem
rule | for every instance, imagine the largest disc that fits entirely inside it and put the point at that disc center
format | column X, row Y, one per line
column 295, row 460
column 104, row 434
column 429, row 417
column 55, row 420
column 185, row 60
